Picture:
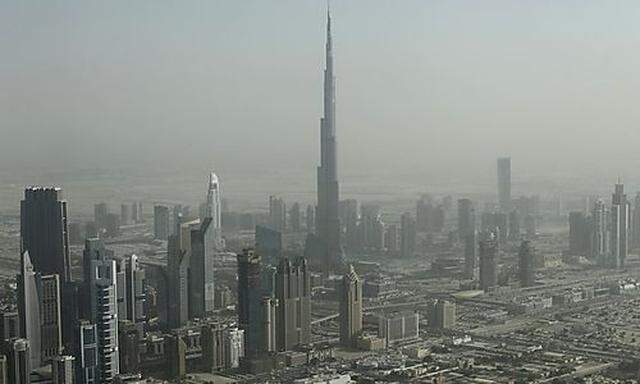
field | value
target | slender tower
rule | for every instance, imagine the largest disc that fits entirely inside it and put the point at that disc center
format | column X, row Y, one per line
column 213, row 209
column 327, row 221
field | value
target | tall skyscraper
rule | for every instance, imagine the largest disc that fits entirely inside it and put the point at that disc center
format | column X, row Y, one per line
column 407, row 235
column 29, row 309
column 504, row 184
column 293, row 314
column 131, row 289
column 526, row 264
column 600, row 233
column 201, row 274
column 327, row 219
column 103, row 307
column 635, row 223
column 277, row 214
column 213, row 209
column 179, row 255
column 294, row 218
column 488, row 261
column 256, row 312
column 161, row 224
column 467, row 235
column 43, row 231
column 350, row 308
column 619, row 227
column 268, row 244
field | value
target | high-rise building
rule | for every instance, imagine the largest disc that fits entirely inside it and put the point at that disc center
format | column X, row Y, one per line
column 103, row 307
column 294, row 218
column 467, row 235
column 212, row 341
column 371, row 228
column 176, row 351
column 29, row 309
column 233, row 347
column 504, row 184
column 87, row 364
column 256, row 312
column 50, row 317
column 213, row 209
column 635, row 223
column 179, row 255
column 391, row 239
column 136, row 292
column 600, row 232
column 135, row 213
column 18, row 361
column 619, row 227
column 161, row 225
column 488, row 248
column 268, row 244
column 43, row 231
column 62, row 370
column 526, row 264
column 350, row 308
column 443, row 315
column 100, row 212
column 277, row 214
column 293, row 314
column 397, row 327
column 327, row 219
column 201, row 273
column 407, row 235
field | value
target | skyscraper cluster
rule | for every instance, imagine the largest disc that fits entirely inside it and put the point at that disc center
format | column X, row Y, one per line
column 606, row 233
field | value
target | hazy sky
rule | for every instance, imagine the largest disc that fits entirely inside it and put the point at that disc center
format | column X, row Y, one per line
column 434, row 87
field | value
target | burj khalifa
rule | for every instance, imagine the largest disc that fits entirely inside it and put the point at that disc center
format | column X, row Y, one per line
column 327, row 219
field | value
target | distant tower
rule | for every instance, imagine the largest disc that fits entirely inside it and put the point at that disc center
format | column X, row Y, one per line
column 526, row 264
column 350, row 308
column 161, row 224
column 277, row 214
column 328, row 222
column 504, row 184
column 43, row 231
column 600, row 233
column 488, row 261
column 294, row 217
column 213, row 209
column 407, row 235
column 467, row 235
column 293, row 315
column 635, row 223
column 619, row 227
